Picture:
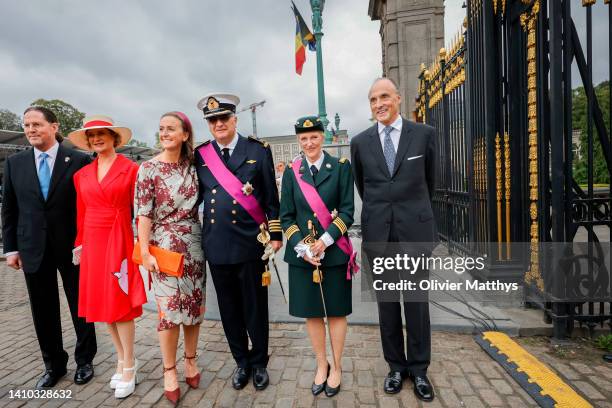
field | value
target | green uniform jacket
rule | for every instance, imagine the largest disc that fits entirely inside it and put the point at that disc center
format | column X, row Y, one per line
column 334, row 183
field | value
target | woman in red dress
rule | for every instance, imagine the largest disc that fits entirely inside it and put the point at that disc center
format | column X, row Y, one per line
column 111, row 289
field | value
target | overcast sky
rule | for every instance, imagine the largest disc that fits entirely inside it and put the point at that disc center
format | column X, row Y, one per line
column 134, row 60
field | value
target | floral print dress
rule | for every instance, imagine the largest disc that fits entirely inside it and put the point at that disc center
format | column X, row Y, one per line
column 167, row 193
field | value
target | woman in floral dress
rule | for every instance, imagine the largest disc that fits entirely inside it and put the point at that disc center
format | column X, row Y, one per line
column 167, row 209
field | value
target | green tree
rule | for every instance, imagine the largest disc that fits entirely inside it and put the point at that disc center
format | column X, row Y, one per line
column 157, row 145
column 70, row 118
column 10, row 121
column 135, row 142
column 579, row 120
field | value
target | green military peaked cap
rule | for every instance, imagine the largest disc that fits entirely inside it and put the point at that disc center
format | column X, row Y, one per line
column 308, row 124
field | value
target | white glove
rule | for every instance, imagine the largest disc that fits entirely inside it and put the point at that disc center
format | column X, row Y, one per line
column 76, row 255
column 268, row 253
column 302, row 249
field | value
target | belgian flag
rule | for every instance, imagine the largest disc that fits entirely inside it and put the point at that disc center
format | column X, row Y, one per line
column 303, row 37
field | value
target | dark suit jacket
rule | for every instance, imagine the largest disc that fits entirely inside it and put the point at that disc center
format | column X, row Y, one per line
column 402, row 198
column 229, row 233
column 29, row 223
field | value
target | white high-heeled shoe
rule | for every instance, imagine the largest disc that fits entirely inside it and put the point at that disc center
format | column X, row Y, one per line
column 115, row 378
column 126, row 388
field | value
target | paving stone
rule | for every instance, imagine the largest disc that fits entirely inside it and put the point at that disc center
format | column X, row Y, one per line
column 588, row 390
column 472, row 402
column 365, row 379
column 491, row 397
column 502, row 387
column 464, row 377
column 461, row 386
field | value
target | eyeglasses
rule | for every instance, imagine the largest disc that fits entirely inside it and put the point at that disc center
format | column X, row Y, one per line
column 223, row 118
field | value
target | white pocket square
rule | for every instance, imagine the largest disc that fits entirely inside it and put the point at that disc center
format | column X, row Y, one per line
column 414, row 157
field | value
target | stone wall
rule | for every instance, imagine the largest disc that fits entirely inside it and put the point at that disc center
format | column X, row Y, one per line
column 412, row 32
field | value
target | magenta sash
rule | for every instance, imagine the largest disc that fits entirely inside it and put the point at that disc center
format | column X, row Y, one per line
column 231, row 184
column 317, row 205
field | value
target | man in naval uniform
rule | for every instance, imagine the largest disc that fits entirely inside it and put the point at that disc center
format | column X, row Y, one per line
column 238, row 186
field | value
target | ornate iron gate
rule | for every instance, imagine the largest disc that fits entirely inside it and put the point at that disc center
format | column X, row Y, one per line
column 501, row 99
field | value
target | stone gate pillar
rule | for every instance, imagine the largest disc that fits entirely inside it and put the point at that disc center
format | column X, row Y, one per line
column 412, row 32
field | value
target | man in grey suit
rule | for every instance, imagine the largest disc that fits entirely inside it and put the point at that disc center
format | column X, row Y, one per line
column 393, row 165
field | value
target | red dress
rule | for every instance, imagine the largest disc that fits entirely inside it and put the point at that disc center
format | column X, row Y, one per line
column 110, row 285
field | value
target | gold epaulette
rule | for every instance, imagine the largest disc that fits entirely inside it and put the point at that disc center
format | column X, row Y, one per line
column 290, row 165
column 340, row 224
column 291, row 230
column 342, row 160
column 203, row 144
column 274, row 226
column 265, row 144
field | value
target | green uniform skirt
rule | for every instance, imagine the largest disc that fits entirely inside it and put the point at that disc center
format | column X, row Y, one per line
column 305, row 295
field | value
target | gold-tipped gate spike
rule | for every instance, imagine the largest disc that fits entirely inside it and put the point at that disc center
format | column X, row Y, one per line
column 312, row 233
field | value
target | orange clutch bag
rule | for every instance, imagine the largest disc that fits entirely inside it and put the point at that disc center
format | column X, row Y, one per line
column 170, row 263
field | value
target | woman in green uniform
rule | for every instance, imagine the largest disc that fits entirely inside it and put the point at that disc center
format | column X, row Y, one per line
column 318, row 188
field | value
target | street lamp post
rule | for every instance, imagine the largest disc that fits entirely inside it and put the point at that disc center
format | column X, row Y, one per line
column 317, row 23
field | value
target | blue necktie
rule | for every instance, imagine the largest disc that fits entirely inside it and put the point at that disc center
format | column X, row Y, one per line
column 389, row 149
column 44, row 175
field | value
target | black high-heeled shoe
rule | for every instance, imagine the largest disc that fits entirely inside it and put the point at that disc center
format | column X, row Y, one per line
column 318, row 388
column 331, row 391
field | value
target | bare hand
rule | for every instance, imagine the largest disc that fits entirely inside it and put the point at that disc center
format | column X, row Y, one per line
column 150, row 263
column 313, row 261
column 276, row 245
column 318, row 248
column 14, row 261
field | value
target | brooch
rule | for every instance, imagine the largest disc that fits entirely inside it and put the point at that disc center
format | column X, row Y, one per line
column 334, row 214
column 247, row 189
column 67, row 159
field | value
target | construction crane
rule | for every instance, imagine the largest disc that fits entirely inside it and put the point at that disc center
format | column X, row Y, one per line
column 253, row 108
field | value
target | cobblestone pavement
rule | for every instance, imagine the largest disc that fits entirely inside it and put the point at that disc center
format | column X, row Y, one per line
column 463, row 375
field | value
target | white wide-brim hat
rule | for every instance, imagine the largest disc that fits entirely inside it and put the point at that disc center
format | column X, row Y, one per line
column 79, row 137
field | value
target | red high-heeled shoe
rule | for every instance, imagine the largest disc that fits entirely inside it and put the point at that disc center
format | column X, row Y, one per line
column 174, row 395
column 194, row 382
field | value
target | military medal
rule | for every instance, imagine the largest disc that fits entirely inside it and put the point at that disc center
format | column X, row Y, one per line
column 334, row 214
column 247, row 189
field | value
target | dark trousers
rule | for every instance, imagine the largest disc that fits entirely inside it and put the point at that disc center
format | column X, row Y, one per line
column 45, row 304
column 417, row 346
column 243, row 305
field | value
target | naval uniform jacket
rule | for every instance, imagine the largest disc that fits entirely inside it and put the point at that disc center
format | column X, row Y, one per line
column 229, row 233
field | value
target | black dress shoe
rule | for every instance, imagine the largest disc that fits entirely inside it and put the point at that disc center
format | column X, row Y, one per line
column 331, row 391
column 318, row 388
column 50, row 378
column 393, row 382
column 240, row 378
column 260, row 378
column 422, row 387
column 84, row 373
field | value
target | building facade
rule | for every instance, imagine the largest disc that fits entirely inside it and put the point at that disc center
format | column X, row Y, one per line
column 411, row 32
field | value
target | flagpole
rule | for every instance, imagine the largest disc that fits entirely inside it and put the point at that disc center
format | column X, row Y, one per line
column 317, row 23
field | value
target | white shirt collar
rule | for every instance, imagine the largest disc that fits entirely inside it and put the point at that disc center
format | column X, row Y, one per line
column 231, row 144
column 397, row 125
column 318, row 163
column 51, row 152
